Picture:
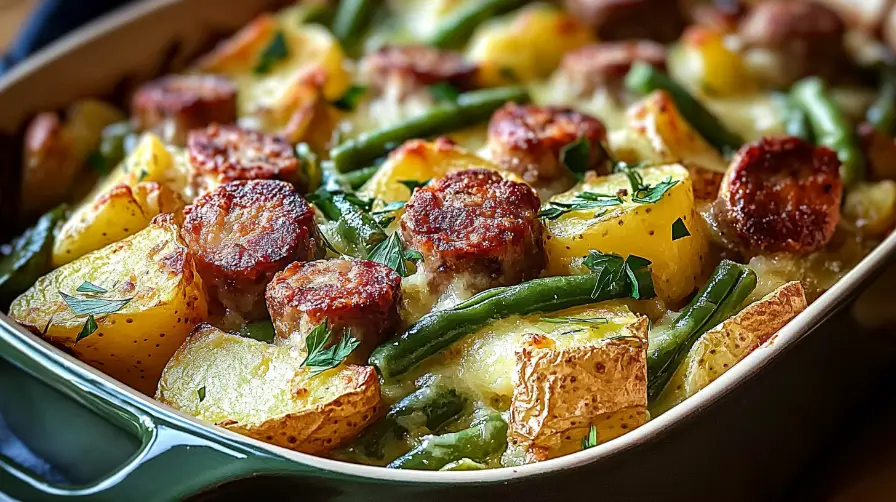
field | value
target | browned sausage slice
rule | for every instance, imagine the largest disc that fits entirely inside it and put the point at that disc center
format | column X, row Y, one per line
column 782, row 195
column 604, row 65
column 222, row 153
column 659, row 20
column 412, row 67
column 528, row 139
column 172, row 106
column 478, row 225
column 356, row 295
column 245, row 231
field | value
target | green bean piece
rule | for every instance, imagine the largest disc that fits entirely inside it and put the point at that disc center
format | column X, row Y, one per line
column 355, row 225
column 720, row 298
column 796, row 123
column 457, row 28
column 263, row 331
column 352, row 18
column 356, row 179
column 433, row 405
column 113, row 148
column 644, row 79
column 29, row 256
column 471, row 108
column 830, row 127
column 882, row 112
column 486, row 439
column 439, row 329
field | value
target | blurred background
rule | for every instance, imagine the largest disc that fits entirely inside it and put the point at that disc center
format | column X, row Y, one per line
column 847, row 453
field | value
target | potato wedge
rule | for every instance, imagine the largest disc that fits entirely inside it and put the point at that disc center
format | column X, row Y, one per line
column 262, row 391
column 112, row 216
column 525, row 45
column 559, row 392
column 633, row 228
column 870, row 207
column 703, row 62
column 132, row 344
column 151, row 160
column 725, row 345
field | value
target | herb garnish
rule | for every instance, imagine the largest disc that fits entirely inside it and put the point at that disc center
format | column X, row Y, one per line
column 390, row 252
column 89, row 287
column 88, row 329
column 443, row 92
column 581, row 202
column 567, row 320
column 390, row 207
column 95, row 306
column 590, row 441
column 632, row 273
column 644, row 193
column 575, row 155
column 679, row 230
column 413, row 184
column 349, row 100
column 320, row 359
column 275, row 52
column 201, row 393
column 413, row 255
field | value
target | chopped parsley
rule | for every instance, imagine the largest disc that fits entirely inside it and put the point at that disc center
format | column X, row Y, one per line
column 349, row 101
column 679, row 230
column 644, row 193
column 390, row 207
column 581, row 202
column 319, row 358
column 91, row 288
column 391, row 253
column 276, row 51
column 95, row 306
column 413, row 255
column 590, row 440
column 88, row 329
column 632, row 273
column 575, row 155
column 201, row 393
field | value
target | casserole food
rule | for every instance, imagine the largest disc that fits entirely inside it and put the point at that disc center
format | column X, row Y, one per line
column 648, row 180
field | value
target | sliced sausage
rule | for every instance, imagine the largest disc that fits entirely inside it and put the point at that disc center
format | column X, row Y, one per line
column 795, row 39
column 528, row 139
column 356, row 296
column 412, row 67
column 721, row 15
column 242, row 233
column 172, row 106
column 477, row 225
column 659, row 20
column 604, row 65
column 781, row 195
column 222, row 153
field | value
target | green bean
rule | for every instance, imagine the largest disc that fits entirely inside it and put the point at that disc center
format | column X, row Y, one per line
column 433, row 405
column 29, row 256
column 456, row 29
column 831, row 128
column 720, row 298
column 439, row 329
column 486, row 439
column 882, row 113
column 644, row 79
column 113, row 148
column 796, row 123
column 353, row 224
column 356, row 179
column 352, row 18
column 263, row 331
column 470, row 108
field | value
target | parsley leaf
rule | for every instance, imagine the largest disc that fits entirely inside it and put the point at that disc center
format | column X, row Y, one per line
column 89, row 287
column 679, row 230
column 262, row 330
column 590, row 441
column 88, row 329
column 320, row 359
column 201, row 393
column 581, row 202
column 275, row 52
column 390, row 252
column 632, row 273
column 413, row 255
column 390, row 207
column 644, row 193
column 349, row 101
column 443, row 92
column 575, row 155
column 566, row 320
column 413, row 184
column 84, row 306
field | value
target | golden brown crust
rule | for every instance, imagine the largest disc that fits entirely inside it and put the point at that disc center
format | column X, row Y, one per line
column 528, row 139
column 782, row 195
column 359, row 296
column 659, row 20
column 175, row 104
column 413, row 67
column 240, row 52
column 605, row 64
column 476, row 222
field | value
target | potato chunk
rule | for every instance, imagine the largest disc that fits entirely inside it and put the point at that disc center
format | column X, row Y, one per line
column 114, row 215
column 559, row 392
column 153, row 269
column 725, row 345
column 262, row 391
column 634, row 228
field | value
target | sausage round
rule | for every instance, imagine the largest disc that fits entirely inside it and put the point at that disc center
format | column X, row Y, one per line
column 782, row 195
column 242, row 233
column 412, row 67
column 356, row 296
column 659, row 20
column 478, row 225
column 176, row 104
column 604, row 65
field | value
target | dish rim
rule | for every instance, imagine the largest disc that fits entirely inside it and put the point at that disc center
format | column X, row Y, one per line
column 793, row 332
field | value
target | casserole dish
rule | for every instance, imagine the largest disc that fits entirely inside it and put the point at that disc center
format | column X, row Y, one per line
column 178, row 455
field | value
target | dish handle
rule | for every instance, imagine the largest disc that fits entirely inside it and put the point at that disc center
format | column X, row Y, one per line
column 176, row 457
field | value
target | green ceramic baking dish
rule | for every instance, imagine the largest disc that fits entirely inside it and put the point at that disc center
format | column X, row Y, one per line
column 125, row 446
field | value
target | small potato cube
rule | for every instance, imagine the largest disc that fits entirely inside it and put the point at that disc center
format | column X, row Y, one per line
column 525, row 45
column 150, row 161
column 722, row 347
column 871, row 207
column 633, row 228
column 262, row 391
column 153, row 269
column 703, row 61
column 112, row 216
column 559, row 392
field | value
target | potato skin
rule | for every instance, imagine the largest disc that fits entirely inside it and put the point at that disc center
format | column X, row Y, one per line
column 560, row 392
column 356, row 296
column 155, row 270
column 261, row 391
